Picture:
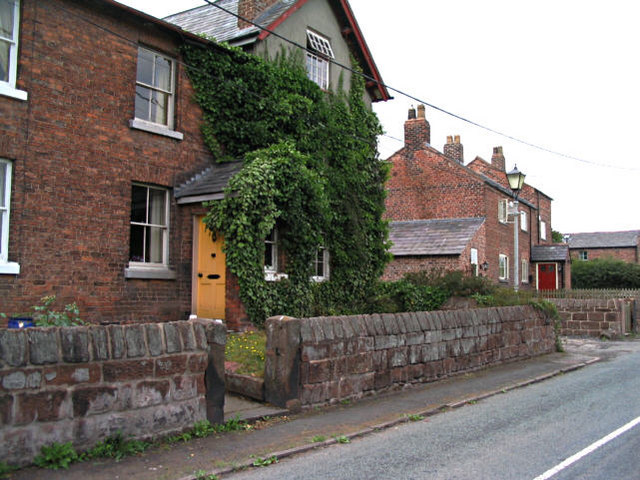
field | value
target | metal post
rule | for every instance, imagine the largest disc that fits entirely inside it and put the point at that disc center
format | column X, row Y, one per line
column 516, row 265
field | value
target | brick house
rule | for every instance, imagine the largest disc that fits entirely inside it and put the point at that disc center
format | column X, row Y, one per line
column 103, row 167
column 445, row 215
column 623, row 246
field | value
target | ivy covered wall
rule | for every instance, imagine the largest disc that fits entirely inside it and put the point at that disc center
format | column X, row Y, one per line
column 311, row 167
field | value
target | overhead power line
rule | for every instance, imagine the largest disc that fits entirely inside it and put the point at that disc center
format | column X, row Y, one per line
column 419, row 100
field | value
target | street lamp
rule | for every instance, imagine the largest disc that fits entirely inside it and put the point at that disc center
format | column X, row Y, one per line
column 516, row 181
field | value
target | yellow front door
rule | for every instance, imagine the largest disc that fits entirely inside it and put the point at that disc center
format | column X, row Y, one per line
column 210, row 274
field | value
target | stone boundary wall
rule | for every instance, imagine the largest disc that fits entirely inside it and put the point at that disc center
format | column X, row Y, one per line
column 313, row 361
column 83, row 384
column 595, row 317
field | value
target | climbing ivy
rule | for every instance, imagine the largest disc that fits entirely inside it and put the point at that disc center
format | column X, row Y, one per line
column 310, row 167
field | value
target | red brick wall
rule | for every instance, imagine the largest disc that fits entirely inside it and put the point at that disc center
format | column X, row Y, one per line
column 629, row 254
column 75, row 158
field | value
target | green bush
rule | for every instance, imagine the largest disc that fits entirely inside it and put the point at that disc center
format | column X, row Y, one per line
column 454, row 283
column 57, row 455
column 604, row 273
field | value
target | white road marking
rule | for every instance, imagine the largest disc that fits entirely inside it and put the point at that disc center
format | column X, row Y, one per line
column 588, row 450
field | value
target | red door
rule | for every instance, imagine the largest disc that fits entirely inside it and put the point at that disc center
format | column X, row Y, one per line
column 547, row 279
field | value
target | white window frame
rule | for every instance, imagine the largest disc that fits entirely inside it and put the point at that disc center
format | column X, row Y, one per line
column 318, row 54
column 473, row 260
column 6, row 267
column 143, row 269
column 8, row 87
column 583, row 255
column 324, row 261
column 503, row 267
column 524, row 225
column 271, row 273
column 503, row 210
column 146, row 124
column 524, row 268
column 543, row 230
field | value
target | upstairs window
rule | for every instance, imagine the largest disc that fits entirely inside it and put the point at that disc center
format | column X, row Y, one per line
column 149, row 239
column 318, row 56
column 503, row 210
column 543, row 230
column 155, row 88
column 524, row 225
column 9, row 23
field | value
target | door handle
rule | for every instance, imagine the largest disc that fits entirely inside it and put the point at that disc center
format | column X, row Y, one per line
column 199, row 275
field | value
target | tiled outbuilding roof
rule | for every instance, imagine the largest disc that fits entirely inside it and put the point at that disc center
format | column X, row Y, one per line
column 209, row 184
column 627, row 238
column 433, row 237
column 549, row 253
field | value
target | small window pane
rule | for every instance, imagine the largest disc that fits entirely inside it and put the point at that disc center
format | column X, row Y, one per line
column 143, row 99
column 139, row 204
column 268, row 256
column 163, row 73
column 159, row 106
column 145, row 66
column 3, row 183
column 6, row 18
column 155, row 244
column 4, row 61
column 157, row 207
column 136, row 243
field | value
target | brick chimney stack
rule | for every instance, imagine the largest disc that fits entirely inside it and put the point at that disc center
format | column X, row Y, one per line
column 497, row 159
column 250, row 9
column 453, row 149
column 417, row 130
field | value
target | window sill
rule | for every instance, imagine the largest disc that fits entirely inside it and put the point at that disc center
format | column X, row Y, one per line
column 10, row 268
column 156, row 128
column 319, row 279
column 274, row 276
column 150, row 273
column 9, row 91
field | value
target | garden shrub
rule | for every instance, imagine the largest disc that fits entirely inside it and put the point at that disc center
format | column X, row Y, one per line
column 604, row 273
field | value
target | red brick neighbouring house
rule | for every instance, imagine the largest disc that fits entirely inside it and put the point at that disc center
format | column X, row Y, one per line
column 426, row 185
column 623, row 246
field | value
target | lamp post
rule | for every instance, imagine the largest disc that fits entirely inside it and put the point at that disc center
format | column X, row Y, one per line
column 516, row 181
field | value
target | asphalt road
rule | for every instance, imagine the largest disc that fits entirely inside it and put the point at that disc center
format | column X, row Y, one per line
column 519, row 435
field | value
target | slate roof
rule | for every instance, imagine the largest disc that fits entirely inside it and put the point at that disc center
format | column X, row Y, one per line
column 221, row 25
column 627, row 238
column 208, row 184
column 549, row 253
column 433, row 237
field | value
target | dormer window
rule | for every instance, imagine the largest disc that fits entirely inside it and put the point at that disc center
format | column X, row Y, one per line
column 318, row 56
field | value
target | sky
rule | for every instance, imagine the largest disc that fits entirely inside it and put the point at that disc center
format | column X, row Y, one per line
column 561, row 75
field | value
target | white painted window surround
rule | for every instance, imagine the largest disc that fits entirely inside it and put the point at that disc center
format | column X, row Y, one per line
column 9, row 35
column 503, row 267
column 318, row 55
column 155, row 94
column 6, row 267
column 503, row 210
column 321, row 265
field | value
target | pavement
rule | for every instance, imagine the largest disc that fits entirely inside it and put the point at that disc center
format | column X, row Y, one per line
column 276, row 432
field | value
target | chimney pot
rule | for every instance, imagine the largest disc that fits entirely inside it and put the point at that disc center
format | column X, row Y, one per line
column 417, row 131
column 453, row 149
column 497, row 159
